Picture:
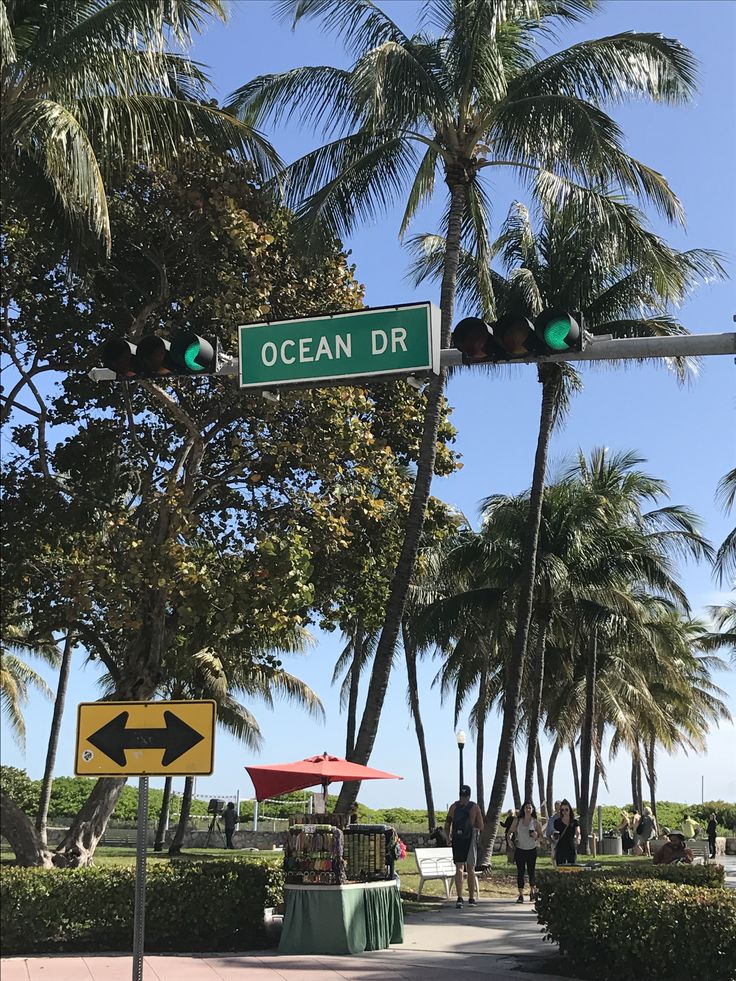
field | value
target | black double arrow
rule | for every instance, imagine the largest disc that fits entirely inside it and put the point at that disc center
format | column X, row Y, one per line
column 176, row 739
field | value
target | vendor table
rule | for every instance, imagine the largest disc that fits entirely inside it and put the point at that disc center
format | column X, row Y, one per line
column 341, row 919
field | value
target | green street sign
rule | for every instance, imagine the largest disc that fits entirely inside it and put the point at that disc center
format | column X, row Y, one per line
column 383, row 341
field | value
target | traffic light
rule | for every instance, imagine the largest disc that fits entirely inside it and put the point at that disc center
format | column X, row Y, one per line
column 512, row 336
column 154, row 357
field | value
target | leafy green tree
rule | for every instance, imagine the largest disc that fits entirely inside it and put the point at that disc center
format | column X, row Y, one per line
column 476, row 95
column 170, row 516
column 91, row 89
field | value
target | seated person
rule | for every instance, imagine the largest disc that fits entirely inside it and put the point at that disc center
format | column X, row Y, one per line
column 439, row 838
column 673, row 850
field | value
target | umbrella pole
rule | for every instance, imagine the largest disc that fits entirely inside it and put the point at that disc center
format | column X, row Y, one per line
column 255, row 815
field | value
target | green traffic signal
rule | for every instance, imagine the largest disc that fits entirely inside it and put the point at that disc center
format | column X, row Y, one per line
column 556, row 332
column 193, row 353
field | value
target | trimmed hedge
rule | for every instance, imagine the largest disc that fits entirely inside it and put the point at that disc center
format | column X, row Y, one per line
column 610, row 928
column 189, row 906
column 709, row 876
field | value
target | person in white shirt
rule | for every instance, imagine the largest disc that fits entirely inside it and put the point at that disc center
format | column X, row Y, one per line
column 527, row 833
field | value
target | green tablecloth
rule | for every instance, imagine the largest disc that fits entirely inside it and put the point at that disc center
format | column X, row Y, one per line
column 341, row 919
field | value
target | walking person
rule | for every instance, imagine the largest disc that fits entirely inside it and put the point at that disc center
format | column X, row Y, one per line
column 549, row 830
column 506, row 825
column 567, row 835
column 624, row 829
column 229, row 819
column 710, row 830
column 527, row 833
column 646, row 830
column 463, row 825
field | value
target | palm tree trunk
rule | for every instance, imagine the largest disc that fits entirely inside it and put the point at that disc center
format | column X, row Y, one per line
column 586, row 740
column 651, row 774
column 594, row 791
column 551, row 774
column 48, row 771
column 515, row 783
column 384, row 655
column 575, row 776
column 537, row 671
column 550, row 387
column 480, row 735
column 163, row 818
column 540, row 779
column 410, row 655
column 636, row 780
column 358, row 641
column 186, row 806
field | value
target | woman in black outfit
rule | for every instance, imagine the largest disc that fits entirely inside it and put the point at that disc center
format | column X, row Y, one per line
column 567, row 835
column 711, row 829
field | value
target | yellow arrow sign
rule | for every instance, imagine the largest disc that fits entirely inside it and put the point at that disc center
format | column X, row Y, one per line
column 145, row 739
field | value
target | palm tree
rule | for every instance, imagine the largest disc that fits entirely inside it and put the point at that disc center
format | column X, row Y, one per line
column 212, row 675
column 726, row 557
column 353, row 659
column 624, row 287
column 17, row 677
column 89, row 89
column 476, row 95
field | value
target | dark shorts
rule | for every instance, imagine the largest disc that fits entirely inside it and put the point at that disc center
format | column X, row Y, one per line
column 464, row 850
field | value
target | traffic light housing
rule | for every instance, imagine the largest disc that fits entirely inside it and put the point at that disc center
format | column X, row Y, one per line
column 514, row 337
column 186, row 355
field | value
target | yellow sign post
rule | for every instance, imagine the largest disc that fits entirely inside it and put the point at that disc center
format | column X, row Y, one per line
column 151, row 739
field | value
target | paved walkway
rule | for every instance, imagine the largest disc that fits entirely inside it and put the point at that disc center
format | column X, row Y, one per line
column 496, row 941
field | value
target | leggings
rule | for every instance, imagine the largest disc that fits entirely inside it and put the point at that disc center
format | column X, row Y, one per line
column 526, row 858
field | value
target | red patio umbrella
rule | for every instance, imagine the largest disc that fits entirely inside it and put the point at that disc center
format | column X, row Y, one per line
column 281, row 778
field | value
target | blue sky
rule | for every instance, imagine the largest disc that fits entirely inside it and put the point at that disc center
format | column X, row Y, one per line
column 686, row 434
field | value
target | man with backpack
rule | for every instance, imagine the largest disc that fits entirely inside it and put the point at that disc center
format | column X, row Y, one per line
column 463, row 827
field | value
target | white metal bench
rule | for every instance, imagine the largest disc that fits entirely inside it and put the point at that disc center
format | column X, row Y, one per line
column 435, row 863
column 700, row 849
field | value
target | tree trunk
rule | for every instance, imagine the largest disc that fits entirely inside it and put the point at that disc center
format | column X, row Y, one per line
column 535, row 708
column 16, row 827
column 358, row 641
column 401, row 578
column 586, row 740
column 594, row 790
column 410, row 654
column 480, row 735
column 549, row 375
column 575, row 776
column 48, row 772
column 540, row 781
column 80, row 841
column 158, row 844
column 551, row 774
column 636, row 781
column 651, row 773
column 515, row 783
column 186, row 806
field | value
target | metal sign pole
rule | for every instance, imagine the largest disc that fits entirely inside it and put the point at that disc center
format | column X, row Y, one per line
column 140, row 879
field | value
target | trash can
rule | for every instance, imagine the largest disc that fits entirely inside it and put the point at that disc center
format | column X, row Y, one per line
column 609, row 846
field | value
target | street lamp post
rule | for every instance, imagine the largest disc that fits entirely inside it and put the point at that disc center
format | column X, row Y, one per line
column 461, row 746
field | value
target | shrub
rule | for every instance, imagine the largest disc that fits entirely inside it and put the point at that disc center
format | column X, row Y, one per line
column 189, row 906
column 611, row 928
column 707, row 876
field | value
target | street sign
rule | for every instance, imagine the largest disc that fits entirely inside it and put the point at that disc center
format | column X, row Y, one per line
column 145, row 739
column 383, row 341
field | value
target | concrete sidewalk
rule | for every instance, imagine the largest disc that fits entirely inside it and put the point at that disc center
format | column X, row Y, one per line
column 495, row 941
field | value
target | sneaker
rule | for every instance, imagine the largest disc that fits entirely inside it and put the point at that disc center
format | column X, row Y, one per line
column 472, row 902
column 459, row 904
column 520, row 899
